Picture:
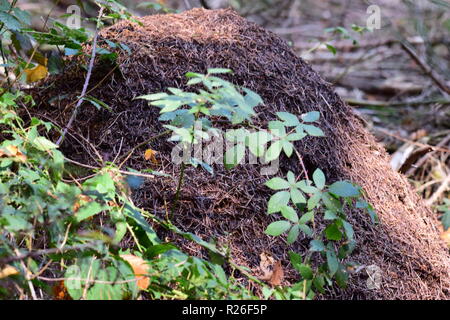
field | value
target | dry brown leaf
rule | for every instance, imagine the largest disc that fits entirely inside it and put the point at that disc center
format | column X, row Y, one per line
column 277, row 275
column 8, row 271
column 140, row 268
column 60, row 291
column 272, row 271
column 82, row 199
column 151, row 155
column 265, row 265
column 13, row 151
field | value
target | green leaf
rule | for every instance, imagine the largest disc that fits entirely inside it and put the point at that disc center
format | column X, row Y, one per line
column 218, row 71
column 290, row 214
column 319, row 283
column 137, row 217
column 155, row 96
column 278, row 201
column 297, row 196
column 314, row 200
column 97, row 103
column 277, row 228
column 342, row 278
column 348, row 230
column 332, row 232
column 306, row 187
column 305, row 271
column 158, row 249
column 344, row 189
column 89, row 210
column 330, row 215
column 306, row 230
column 332, row 262
column 331, row 202
column 293, row 234
column 44, row 144
column 289, row 119
column 311, row 116
column 296, row 136
column 291, row 177
column 316, row 246
column 10, row 21
column 319, row 179
column 277, row 183
column 306, row 217
column 274, row 151
column 331, row 48
column 313, row 131
column 295, row 258
column 4, row 5
column 103, row 184
column 277, row 128
column 288, row 148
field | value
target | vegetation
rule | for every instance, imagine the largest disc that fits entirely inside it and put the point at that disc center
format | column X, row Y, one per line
column 70, row 237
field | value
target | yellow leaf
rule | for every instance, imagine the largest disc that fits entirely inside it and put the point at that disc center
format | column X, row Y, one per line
column 151, row 155
column 37, row 73
column 13, row 151
column 140, row 269
column 8, row 271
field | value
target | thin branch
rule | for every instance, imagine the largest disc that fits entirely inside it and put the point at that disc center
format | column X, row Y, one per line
column 86, row 82
column 367, row 103
column 442, row 188
column 440, row 82
column 38, row 253
column 137, row 174
column 422, row 160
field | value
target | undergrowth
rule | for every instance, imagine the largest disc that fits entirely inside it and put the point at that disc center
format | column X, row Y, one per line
column 60, row 231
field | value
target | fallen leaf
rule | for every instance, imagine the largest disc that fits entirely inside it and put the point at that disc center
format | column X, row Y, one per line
column 151, row 155
column 278, row 275
column 265, row 265
column 140, row 268
column 82, row 199
column 37, row 73
column 272, row 270
column 13, row 151
column 60, row 291
column 8, row 271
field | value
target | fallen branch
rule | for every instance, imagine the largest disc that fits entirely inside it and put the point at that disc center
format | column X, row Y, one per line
column 422, row 160
column 440, row 82
column 442, row 188
column 367, row 103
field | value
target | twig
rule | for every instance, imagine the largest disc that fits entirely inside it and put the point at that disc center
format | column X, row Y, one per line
column 440, row 82
column 366, row 103
column 137, row 174
column 128, row 154
column 442, row 188
column 86, row 82
column 37, row 253
column 435, row 148
column 422, row 160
